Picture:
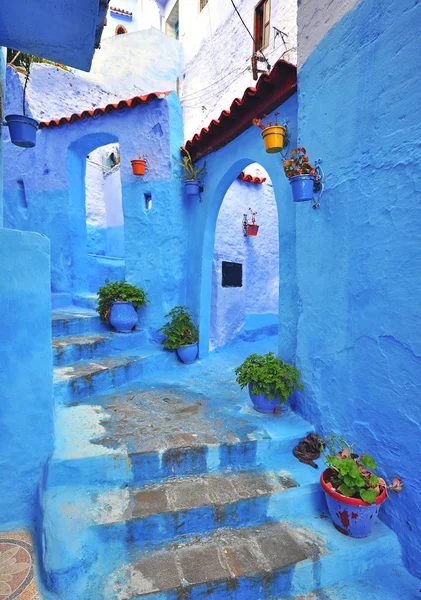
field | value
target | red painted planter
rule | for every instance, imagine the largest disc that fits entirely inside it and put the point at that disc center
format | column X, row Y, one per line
column 138, row 166
column 252, row 229
column 351, row 516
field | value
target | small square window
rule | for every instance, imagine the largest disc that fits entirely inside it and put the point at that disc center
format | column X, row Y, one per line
column 232, row 274
column 202, row 4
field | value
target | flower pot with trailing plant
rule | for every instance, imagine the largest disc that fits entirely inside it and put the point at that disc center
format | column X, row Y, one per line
column 23, row 129
column 353, row 492
column 181, row 334
column 269, row 379
column 192, row 176
column 118, row 302
column 252, row 228
column 302, row 176
column 272, row 133
column 138, row 165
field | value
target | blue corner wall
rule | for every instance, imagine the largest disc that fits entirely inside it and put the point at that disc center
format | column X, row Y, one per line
column 26, row 405
column 359, row 256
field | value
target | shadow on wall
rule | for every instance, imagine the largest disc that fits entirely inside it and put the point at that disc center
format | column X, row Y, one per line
column 245, row 269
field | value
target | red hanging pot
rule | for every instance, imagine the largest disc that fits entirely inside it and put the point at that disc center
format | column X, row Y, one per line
column 138, row 166
column 252, row 229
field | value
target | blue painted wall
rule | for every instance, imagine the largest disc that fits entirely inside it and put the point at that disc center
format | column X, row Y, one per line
column 26, row 408
column 359, row 256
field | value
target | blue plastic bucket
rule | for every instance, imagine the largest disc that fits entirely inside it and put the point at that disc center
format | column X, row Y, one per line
column 302, row 187
column 188, row 354
column 22, row 130
column 123, row 316
column 261, row 402
column 192, row 187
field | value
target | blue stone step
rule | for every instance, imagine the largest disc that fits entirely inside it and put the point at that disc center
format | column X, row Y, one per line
column 87, row 300
column 70, row 349
column 73, row 321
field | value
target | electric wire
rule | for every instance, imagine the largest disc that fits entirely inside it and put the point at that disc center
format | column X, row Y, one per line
column 211, row 85
column 249, row 32
column 214, row 94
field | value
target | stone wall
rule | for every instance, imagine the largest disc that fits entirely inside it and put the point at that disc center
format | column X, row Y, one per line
column 359, row 256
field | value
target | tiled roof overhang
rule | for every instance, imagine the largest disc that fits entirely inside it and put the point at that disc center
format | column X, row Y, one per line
column 271, row 91
column 97, row 112
column 250, row 179
column 121, row 11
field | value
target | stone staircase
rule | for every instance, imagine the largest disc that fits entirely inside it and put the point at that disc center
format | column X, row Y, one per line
column 166, row 484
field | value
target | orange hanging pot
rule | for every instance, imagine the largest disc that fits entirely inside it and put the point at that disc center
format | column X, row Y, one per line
column 273, row 138
column 138, row 166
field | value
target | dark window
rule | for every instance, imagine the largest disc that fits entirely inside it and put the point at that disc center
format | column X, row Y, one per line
column 262, row 25
column 120, row 29
column 232, row 274
column 203, row 4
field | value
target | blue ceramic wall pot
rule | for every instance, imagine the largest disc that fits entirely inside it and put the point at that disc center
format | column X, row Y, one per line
column 22, row 130
column 192, row 187
column 188, row 354
column 302, row 187
column 262, row 403
column 123, row 316
column 350, row 516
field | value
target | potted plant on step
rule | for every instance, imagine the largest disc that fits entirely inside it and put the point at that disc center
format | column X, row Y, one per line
column 181, row 334
column 118, row 302
column 353, row 492
column 269, row 379
column 272, row 133
column 252, row 228
column 192, row 176
column 23, row 129
column 138, row 165
column 302, row 176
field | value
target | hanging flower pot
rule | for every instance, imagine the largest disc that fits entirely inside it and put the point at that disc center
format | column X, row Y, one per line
column 192, row 176
column 192, row 187
column 272, row 133
column 252, row 229
column 138, row 166
column 22, row 130
column 302, row 187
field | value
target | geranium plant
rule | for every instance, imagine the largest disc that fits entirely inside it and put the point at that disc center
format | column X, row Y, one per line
column 298, row 164
column 259, row 123
column 351, row 474
column 269, row 375
column 119, row 291
column 253, row 216
column 190, row 172
column 179, row 330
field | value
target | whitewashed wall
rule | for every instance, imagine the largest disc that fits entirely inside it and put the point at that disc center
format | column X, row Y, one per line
column 145, row 14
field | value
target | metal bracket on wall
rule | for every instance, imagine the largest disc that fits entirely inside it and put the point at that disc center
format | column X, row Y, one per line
column 319, row 186
column 245, row 223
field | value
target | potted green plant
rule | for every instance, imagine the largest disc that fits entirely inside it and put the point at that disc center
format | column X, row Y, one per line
column 192, row 176
column 269, row 379
column 23, row 129
column 181, row 334
column 118, row 302
column 353, row 492
column 301, row 174
column 272, row 133
column 138, row 165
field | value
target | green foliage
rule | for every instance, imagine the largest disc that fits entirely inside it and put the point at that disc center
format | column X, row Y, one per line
column 119, row 290
column 189, row 170
column 268, row 375
column 349, row 471
column 180, row 330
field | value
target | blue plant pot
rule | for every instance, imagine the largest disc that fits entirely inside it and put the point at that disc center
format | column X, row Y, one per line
column 188, row 354
column 123, row 316
column 22, row 130
column 351, row 516
column 261, row 402
column 192, row 187
column 302, row 187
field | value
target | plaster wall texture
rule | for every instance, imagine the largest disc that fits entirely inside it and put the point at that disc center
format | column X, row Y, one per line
column 53, row 93
column 26, row 404
column 145, row 13
column 258, row 255
column 137, row 63
column 217, row 53
column 359, row 256
column 2, row 113
column 223, row 167
column 44, row 191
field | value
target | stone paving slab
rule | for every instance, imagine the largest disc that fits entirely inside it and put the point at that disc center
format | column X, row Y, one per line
column 89, row 368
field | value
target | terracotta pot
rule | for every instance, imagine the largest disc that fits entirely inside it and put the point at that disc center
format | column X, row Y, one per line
column 138, row 166
column 252, row 229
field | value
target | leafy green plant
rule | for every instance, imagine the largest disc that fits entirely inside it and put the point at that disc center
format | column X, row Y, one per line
column 180, row 330
column 267, row 374
column 189, row 170
column 298, row 164
column 119, row 291
column 350, row 473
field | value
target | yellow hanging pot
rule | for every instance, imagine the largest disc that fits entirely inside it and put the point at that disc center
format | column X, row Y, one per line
column 273, row 138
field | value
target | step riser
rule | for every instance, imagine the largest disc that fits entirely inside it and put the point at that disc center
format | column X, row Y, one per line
column 78, row 326
column 115, row 344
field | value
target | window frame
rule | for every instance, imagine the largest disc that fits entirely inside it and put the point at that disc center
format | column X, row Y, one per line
column 202, row 4
column 262, row 11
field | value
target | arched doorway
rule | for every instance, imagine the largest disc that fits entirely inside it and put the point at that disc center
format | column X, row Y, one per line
column 245, row 268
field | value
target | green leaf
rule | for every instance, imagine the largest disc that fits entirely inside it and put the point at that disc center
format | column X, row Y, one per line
column 367, row 461
column 347, row 491
column 268, row 375
column 374, row 480
column 368, row 496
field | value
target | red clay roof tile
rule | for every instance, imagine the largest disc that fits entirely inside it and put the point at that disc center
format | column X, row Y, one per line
column 250, row 179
